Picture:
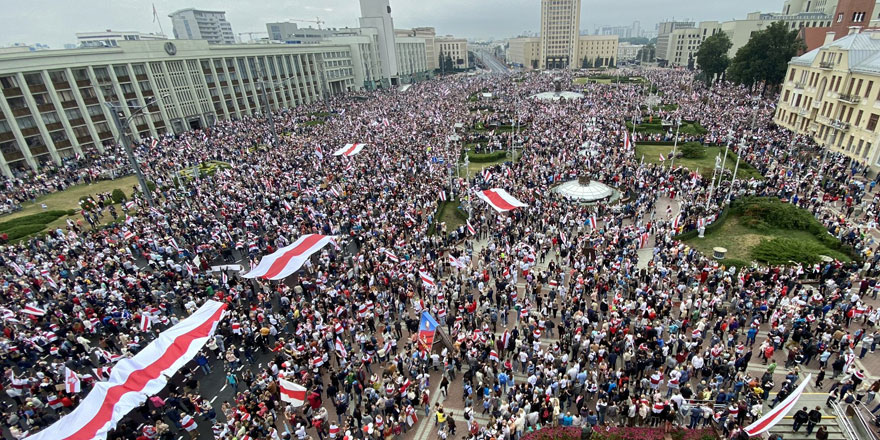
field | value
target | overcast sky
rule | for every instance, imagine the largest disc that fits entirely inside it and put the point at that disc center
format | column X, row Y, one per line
column 54, row 22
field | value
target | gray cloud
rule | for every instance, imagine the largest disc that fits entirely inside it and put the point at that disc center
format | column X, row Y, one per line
column 54, row 22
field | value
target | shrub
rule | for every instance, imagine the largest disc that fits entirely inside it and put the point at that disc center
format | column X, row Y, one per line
column 693, row 150
column 117, row 195
column 554, row 433
column 22, row 231
column 487, row 157
column 42, row 218
column 786, row 250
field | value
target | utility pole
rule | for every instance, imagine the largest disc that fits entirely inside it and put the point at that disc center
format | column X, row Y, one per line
column 268, row 109
column 118, row 114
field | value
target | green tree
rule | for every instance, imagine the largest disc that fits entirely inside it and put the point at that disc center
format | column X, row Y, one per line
column 611, row 62
column 449, row 65
column 598, row 62
column 586, row 63
column 765, row 57
column 712, row 55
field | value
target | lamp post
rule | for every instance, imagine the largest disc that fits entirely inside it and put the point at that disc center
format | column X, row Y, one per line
column 675, row 144
column 121, row 126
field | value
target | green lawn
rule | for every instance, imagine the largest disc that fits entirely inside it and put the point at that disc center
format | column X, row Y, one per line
column 447, row 214
column 704, row 165
column 739, row 240
column 69, row 199
column 477, row 167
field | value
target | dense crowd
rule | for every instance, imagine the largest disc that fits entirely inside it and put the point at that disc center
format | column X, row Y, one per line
column 551, row 321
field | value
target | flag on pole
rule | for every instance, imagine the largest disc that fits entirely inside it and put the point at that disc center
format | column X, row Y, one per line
column 427, row 279
column 71, row 381
column 662, row 157
column 470, row 228
column 145, row 322
column 340, row 348
column 676, row 221
column 442, row 195
column 456, row 262
column 643, row 240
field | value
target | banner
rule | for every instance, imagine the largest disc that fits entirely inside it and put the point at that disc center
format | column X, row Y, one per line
column 135, row 379
column 289, row 259
column 778, row 412
column 427, row 330
column 500, row 200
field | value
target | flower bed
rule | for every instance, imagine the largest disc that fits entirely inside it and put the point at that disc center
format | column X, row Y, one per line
column 623, row 433
column 554, row 433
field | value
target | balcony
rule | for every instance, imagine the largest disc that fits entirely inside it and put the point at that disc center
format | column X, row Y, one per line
column 851, row 99
column 803, row 111
column 799, row 85
column 826, row 65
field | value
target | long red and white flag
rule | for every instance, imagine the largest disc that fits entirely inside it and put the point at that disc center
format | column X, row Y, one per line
column 340, row 348
column 145, row 322
column 350, row 149
column 289, row 259
column 135, row 379
column 778, row 412
column 500, row 200
column 291, row 392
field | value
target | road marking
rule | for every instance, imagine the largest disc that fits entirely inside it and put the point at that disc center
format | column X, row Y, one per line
column 224, row 387
column 215, row 398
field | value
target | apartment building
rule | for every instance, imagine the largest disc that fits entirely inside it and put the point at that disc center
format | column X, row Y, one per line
column 832, row 94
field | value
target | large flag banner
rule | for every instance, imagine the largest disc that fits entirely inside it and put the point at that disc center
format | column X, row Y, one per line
column 350, row 149
column 427, row 330
column 135, row 379
column 500, row 200
column 778, row 412
column 291, row 392
column 289, row 259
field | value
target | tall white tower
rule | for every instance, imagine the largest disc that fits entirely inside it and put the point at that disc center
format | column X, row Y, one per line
column 377, row 14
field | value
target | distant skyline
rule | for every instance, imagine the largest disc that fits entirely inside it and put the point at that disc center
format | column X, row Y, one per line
column 54, row 22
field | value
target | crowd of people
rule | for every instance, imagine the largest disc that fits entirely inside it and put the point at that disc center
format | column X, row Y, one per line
column 549, row 314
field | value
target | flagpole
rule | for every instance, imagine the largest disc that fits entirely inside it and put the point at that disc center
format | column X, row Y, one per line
column 675, row 144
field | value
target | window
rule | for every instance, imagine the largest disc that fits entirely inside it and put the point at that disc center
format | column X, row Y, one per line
column 58, row 76
column 25, row 122
column 72, row 114
column 840, row 17
column 50, row 117
column 80, row 75
column 8, row 82
column 859, row 117
column 872, row 122
column 95, row 110
column 33, row 79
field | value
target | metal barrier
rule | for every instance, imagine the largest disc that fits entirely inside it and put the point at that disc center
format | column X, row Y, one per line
column 861, row 420
column 844, row 421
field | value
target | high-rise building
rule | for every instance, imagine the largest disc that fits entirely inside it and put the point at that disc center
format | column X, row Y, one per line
column 376, row 14
column 560, row 29
column 110, row 38
column 197, row 24
column 664, row 29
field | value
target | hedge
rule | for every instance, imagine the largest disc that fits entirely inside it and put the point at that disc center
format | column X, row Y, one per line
column 783, row 250
column 22, row 231
column 42, row 219
column 487, row 157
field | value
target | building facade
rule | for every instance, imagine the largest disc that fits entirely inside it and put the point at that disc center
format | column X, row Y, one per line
column 832, row 94
column 560, row 29
column 627, row 52
column 53, row 104
column 110, row 38
column 524, row 52
column 597, row 50
column 197, row 24
column 664, row 29
column 455, row 48
column 290, row 33
column 683, row 44
column 376, row 14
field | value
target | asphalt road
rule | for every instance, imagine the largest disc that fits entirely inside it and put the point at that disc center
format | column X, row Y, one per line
column 492, row 63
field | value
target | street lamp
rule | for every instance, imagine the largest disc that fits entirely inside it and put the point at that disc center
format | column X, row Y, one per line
column 121, row 125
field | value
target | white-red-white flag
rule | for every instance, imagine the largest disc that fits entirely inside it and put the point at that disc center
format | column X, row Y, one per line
column 71, row 381
column 145, row 322
column 291, row 392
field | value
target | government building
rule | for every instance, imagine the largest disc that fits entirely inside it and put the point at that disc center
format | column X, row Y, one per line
column 832, row 94
column 56, row 104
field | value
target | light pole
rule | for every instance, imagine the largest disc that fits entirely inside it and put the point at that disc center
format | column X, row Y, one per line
column 675, row 144
column 121, row 126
